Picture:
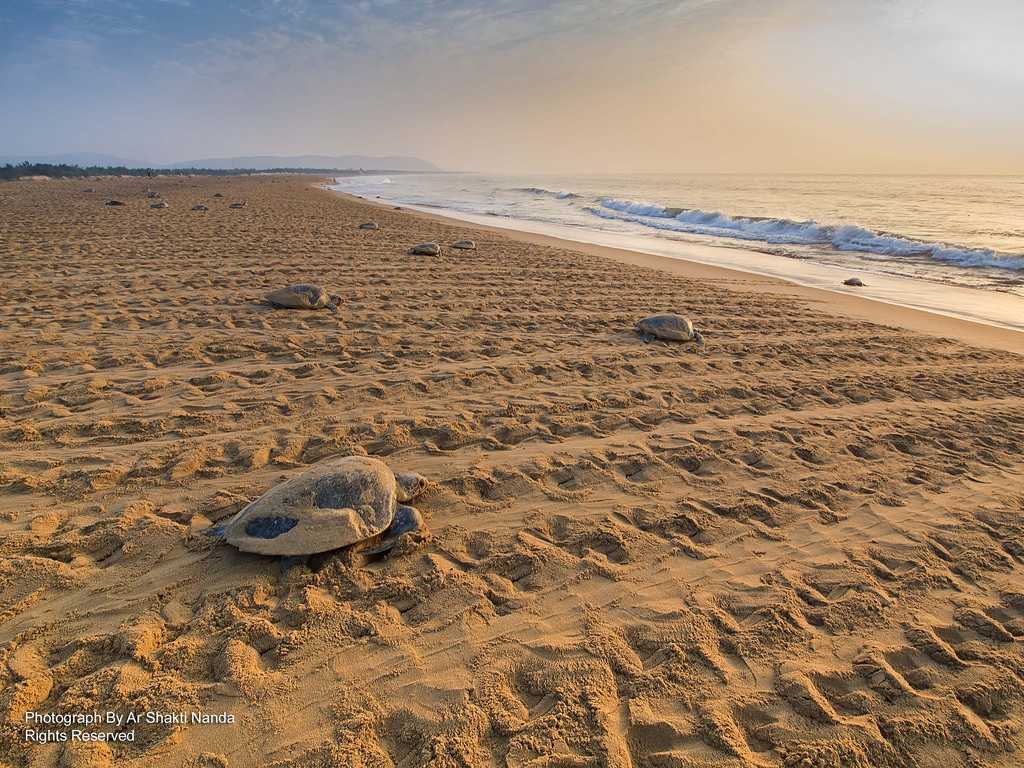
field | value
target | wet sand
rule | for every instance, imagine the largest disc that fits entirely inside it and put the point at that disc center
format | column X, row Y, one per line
column 801, row 546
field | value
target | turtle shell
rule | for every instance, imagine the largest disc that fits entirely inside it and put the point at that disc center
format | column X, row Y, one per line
column 667, row 326
column 300, row 296
column 334, row 504
column 426, row 249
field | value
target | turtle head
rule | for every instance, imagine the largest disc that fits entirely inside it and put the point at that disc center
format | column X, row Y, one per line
column 410, row 485
column 333, row 302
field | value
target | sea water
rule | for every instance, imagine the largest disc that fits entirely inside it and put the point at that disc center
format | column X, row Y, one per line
column 953, row 244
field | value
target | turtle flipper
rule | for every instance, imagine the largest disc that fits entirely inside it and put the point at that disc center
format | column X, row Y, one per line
column 216, row 532
column 699, row 338
column 293, row 561
column 407, row 520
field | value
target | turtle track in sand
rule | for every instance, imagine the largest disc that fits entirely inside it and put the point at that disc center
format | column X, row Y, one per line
column 802, row 547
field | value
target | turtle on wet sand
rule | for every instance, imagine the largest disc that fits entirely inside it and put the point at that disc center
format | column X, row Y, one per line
column 303, row 296
column 464, row 245
column 670, row 327
column 854, row 282
column 335, row 504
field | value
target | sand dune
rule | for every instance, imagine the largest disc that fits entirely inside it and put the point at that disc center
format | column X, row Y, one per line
column 802, row 546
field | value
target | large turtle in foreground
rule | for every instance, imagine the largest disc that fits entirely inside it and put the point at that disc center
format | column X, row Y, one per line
column 335, row 504
column 303, row 296
column 670, row 327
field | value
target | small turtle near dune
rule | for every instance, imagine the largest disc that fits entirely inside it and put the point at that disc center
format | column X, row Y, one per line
column 217, row 194
column 464, row 245
column 113, row 202
column 152, row 195
column 303, row 296
column 199, row 207
column 335, row 504
column 670, row 327
column 238, row 204
column 161, row 204
column 855, row 282
column 369, row 225
column 426, row 249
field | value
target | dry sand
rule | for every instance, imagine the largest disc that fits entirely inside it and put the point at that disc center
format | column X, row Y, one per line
column 802, row 547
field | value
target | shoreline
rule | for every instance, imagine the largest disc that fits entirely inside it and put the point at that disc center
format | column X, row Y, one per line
column 978, row 332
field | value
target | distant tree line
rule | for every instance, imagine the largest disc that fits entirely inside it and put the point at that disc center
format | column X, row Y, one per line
column 11, row 172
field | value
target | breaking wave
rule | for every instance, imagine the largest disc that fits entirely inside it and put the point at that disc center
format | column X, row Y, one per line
column 546, row 193
column 842, row 237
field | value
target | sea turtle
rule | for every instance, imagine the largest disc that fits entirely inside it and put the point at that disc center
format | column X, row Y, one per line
column 217, row 194
column 303, row 296
column 161, row 204
column 464, row 245
column 335, row 504
column 670, row 327
column 854, row 282
column 369, row 225
column 426, row 249
column 238, row 204
column 113, row 202
column 200, row 207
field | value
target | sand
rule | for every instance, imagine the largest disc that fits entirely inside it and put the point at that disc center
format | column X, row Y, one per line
column 802, row 546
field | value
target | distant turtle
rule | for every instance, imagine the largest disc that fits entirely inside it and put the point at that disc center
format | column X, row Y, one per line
column 113, row 202
column 240, row 204
column 303, row 296
column 426, row 249
column 88, row 189
column 464, row 245
column 161, row 204
column 200, row 207
column 670, row 327
column 152, row 195
column 335, row 504
column 217, row 194
column 855, row 282
column 369, row 225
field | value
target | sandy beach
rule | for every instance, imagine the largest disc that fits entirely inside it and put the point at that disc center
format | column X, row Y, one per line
column 800, row 546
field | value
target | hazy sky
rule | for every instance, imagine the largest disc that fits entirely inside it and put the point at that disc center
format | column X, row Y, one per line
column 524, row 85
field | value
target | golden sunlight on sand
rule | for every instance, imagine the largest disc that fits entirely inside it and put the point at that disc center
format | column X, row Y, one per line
column 798, row 546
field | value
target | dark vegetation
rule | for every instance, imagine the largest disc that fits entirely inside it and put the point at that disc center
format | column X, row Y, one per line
column 11, row 172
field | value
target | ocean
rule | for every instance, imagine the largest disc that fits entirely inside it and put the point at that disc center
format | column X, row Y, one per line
column 953, row 244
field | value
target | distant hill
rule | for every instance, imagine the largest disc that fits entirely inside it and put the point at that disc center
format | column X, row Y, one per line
column 256, row 162
column 263, row 162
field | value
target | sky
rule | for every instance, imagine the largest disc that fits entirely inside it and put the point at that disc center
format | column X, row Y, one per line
column 525, row 86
